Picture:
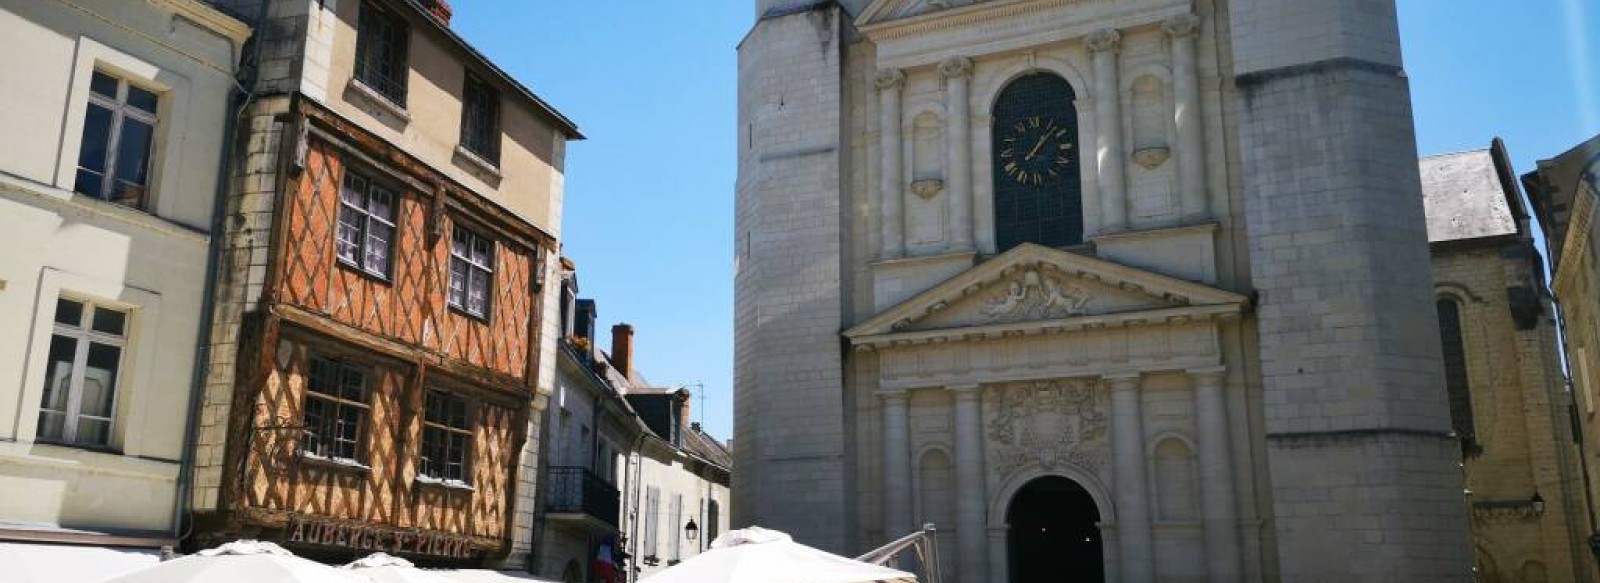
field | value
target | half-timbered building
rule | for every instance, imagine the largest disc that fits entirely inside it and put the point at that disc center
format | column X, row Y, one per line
column 382, row 341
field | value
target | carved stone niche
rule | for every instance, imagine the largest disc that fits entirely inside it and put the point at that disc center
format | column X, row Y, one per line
column 927, row 188
column 1152, row 157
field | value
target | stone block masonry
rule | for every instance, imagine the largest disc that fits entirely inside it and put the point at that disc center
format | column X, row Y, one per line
column 1364, row 474
column 789, row 443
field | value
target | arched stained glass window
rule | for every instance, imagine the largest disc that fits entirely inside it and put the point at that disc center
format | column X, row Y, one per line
column 1038, row 197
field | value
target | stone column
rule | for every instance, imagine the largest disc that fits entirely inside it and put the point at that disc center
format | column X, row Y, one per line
column 997, row 554
column 957, row 72
column 1220, row 514
column 897, row 521
column 970, row 495
column 1186, row 117
column 1108, row 154
column 891, row 196
column 1128, row 469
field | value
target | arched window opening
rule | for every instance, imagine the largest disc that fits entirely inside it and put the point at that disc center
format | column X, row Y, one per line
column 1455, row 374
column 1038, row 195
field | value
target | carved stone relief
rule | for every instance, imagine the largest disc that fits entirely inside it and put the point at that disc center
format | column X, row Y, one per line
column 1049, row 424
column 1035, row 297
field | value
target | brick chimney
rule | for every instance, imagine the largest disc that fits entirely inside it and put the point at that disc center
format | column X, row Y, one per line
column 440, row 9
column 622, row 348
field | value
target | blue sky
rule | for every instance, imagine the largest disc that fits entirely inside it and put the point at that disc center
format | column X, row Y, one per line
column 649, row 207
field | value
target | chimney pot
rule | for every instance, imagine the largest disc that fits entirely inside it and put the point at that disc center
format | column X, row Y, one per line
column 622, row 349
column 440, row 9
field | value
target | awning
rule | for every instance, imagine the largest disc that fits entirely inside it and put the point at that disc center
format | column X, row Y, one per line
column 57, row 563
column 488, row 576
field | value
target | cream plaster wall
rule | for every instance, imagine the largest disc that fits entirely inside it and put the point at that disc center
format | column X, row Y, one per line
column 674, row 473
column 58, row 243
column 428, row 125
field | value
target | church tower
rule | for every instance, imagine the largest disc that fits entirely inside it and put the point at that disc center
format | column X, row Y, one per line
column 1365, row 473
column 1138, row 288
column 789, row 287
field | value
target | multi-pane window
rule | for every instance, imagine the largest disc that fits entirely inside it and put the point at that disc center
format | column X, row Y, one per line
column 471, row 272
column 366, row 224
column 118, row 130
column 81, row 374
column 381, row 52
column 336, row 410
column 446, row 437
column 1038, row 197
column 480, row 119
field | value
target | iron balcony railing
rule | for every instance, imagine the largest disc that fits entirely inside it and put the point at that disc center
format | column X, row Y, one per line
column 576, row 490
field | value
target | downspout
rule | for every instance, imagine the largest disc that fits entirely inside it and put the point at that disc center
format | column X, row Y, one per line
column 244, row 91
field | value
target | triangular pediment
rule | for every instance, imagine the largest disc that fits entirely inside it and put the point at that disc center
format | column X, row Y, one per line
column 1031, row 283
column 888, row 10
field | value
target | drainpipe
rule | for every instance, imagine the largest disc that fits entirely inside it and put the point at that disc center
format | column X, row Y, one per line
column 244, row 93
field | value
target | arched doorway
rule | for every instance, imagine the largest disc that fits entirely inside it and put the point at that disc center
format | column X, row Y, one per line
column 1053, row 534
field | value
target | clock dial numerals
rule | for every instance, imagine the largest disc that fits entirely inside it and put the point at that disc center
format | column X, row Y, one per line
column 1035, row 151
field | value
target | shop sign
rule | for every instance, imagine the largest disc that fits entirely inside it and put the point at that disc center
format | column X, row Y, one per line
column 362, row 537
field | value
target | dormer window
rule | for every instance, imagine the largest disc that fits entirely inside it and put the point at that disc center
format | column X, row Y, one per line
column 480, row 120
column 381, row 45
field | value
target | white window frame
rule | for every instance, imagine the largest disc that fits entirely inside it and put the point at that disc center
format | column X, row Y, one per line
column 369, row 190
column 85, row 334
column 472, row 267
column 121, row 110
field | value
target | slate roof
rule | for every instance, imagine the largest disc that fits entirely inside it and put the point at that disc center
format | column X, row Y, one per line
column 1465, row 198
column 704, row 446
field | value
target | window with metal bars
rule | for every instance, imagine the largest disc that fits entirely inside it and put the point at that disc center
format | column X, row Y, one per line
column 471, row 272
column 335, row 410
column 446, row 437
column 82, row 368
column 366, row 224
column 480, row 119
column 381, row 44
column 118, row 130
column 1044, row 207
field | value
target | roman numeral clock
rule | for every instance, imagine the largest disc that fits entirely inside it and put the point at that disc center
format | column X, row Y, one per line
column 1037, row 192
column 1036, row 151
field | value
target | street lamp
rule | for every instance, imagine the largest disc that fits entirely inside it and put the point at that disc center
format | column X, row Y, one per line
column 691, row 530
column 1538, row 504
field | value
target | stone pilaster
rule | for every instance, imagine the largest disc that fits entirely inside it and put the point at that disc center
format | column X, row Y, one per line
column 1128, row 469
column 997, row 554
column 970, row 495
column 897, row 520
column 1109, row 159
column 957, row 72
column 891, row 193
column 1220, row 514
column 1195, row 199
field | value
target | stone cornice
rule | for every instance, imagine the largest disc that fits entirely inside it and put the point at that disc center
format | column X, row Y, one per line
column 204, row 15
column 948, row 18
column 1161, row 317
column 1574, row 247
column 1001, row 26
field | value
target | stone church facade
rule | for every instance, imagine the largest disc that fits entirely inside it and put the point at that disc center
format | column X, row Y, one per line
column 1117, row 291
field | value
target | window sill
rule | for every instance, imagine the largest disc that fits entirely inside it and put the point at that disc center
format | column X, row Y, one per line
column 338, row 464
column 105, row 449
column 367, row 93
column 463, row 312
column 431, row 482
column 378, row 277
column 478, row 162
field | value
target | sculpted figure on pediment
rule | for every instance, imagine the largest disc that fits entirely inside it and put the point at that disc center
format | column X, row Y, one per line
column 1049, row 424
column 1035, row 297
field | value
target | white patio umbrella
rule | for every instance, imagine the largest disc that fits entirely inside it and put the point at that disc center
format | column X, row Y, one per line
column 384, row 568
column 244, row 561
column 758, row 555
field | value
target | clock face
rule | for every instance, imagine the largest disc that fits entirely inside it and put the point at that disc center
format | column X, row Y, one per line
column 1035, row 151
